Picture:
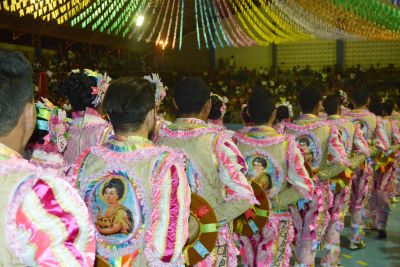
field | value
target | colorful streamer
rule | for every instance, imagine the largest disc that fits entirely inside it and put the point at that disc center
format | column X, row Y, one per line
column 237, row 23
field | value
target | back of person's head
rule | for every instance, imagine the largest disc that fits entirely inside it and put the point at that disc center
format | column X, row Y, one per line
column 282, row 113
column 190, row 95
column 78, row 89
column 360, row 96
column 375, row 106
column 128, row 101
column 331, row 104
column 16, row 88
column 261, row 106
column 217, row 104
column 388, row 107
column 309, row 98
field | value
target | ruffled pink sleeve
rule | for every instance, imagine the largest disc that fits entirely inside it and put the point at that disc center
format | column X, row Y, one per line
column 171, row 201
column 63, row 236
column 381, row 138
column 359, row 143
column 297, row 173
column 232, row 171
column 395, row 133
column 336, row 150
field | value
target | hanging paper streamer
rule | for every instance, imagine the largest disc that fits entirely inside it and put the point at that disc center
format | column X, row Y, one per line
column 228, row 40
column 181, row 30
column 214, row 28
column 244, row 37
column 223, row 22
column 163, row 24
column 156, row 23
column 203, row 24
column 197, row 25
column 176, row 24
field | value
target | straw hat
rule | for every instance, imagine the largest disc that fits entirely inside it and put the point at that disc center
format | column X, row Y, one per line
column 203, row 231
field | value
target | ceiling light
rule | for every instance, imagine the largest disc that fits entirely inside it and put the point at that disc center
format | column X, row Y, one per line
column 139, row 20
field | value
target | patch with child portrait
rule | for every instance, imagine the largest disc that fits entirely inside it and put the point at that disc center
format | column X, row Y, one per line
column 265, row 171
column 310, row 149
column 116, row 212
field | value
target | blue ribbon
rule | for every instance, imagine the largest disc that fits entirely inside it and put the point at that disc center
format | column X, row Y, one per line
column 253, row 226
column 42, row 125
column 333, row 186
column 301, row 203
column 202, row 250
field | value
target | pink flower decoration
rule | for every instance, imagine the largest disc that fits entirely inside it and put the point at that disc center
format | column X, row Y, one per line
column 95, row 90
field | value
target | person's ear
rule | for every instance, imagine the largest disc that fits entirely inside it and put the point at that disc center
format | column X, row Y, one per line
column 173, row 101
column 273, row 117
column 207, row 108
column 150, row 118
column 28, row 118
column 29, row 115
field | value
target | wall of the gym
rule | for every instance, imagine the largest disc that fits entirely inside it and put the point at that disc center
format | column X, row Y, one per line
column 254, row 57
column 366, row 53
column 316, row 54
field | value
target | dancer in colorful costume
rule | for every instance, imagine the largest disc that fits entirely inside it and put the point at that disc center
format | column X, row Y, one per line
column 352, row 145
column 43, row 221
column 284, row 113
column 275, row 157
column 376, row 138
column 314, row 136
column 217, row 112
column 395, row 118
column 137, row 194
column 85, row 90
column 216, row 170
column 379, row 204
column 50, row 137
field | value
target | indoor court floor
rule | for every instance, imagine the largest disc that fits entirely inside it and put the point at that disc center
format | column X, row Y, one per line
column 378, row 253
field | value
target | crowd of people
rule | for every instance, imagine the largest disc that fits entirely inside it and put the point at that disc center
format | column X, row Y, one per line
column 115, row 183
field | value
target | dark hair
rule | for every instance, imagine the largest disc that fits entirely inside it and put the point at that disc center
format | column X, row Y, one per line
column 388, row 107
column 260, row 160
column 304, row 140
column 282, row 113
column 260, row 106
column 216, row 103
column 360, row 96
column 127, row 102
column 309, row 98
column 78, row 89
column 331, row 104
column 190, row 95
column 16, row 88
column 375, row 106
column 245, row 116
column 117, row 184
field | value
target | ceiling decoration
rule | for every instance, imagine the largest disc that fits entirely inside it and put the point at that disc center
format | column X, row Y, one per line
column 220, row 23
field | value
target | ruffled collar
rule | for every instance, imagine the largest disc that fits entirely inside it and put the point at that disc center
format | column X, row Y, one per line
column 188, row 124
column 88, row 111
column 305, row 119
column 360, row 111
column 7, row 153
column 128, row 144
column 260, row 132
column 334, row 117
